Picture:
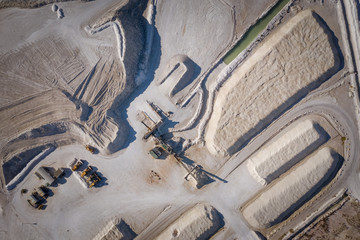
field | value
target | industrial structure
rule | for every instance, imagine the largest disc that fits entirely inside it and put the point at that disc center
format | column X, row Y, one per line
column 48, row 178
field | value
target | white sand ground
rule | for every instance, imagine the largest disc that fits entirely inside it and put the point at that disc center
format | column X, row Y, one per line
column 277, row 157
column 289, row 63
column 59, row 74
column 284, row 196
column 177, row 21
column 130, row 193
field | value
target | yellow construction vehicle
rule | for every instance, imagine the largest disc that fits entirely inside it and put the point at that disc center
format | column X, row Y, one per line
column 40, row 206
column 94, row 182
column 36, row 200
column 86, row 171
column 77, row 165
column 90, row 148
column 91, row 177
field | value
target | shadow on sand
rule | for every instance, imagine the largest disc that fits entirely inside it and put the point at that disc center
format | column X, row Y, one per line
column 120, row 111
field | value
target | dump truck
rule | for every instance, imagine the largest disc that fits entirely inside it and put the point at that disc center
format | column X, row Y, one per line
column 90, row 148
column 77, row 165
column 36, row 205
column 36, row 200
column 42, row 191
column 86, row 171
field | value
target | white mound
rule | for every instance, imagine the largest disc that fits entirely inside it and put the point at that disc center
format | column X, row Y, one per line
column 294, row 60
column 289, row 193
column 115, row 230
column 201, row 222
column 279, row 156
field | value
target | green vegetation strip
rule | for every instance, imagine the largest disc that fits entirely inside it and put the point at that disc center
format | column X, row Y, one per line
column 254, row 31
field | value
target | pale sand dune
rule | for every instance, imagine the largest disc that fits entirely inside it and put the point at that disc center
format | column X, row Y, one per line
column 278, row 156
column 294, row 60
column 289, row 193
column 201, row 222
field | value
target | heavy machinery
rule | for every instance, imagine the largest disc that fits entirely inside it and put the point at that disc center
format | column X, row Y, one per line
column 86, row 171
column 36, row 200
column 155, row 152
column 36, row 205
column 42, row 191
column 96, row 180
column 90, row 148
column 92, row 177
column 167, row 148
column 77, row 165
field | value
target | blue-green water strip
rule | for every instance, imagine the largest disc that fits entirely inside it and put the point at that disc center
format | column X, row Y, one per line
column 254, row 31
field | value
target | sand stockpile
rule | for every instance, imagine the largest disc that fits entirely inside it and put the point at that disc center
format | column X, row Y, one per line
column 116, row 229
column 294, row 60
column 280, row 155
column 201, row 222
column 281, row 199
column 180, row 72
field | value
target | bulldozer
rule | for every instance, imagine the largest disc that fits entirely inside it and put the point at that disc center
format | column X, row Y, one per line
column 86, row 171
column 90, row 148
column 98, row 179
column 77, row 165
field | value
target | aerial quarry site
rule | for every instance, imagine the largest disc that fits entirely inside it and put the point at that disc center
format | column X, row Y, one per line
column 168, row 119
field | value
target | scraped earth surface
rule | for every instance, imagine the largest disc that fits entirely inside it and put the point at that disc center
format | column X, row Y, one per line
column 344, row 223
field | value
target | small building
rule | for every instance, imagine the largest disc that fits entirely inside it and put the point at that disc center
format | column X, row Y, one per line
column 48, row 179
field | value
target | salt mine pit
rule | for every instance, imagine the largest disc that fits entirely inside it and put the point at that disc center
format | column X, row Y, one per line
column 200, row 222
column 294, row 60
column 285, row 196
column 278, row 156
